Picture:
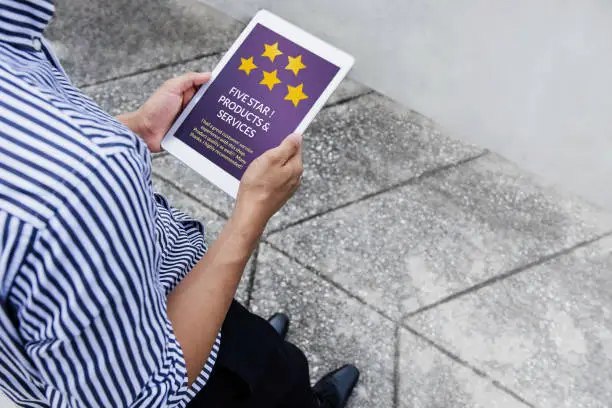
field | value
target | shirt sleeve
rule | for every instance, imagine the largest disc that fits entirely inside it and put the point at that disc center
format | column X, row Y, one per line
column 104, row 339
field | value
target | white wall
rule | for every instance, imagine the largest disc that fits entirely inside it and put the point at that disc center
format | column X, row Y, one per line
column 530, row 79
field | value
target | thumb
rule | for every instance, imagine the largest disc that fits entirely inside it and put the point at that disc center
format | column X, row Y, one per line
column 200, row 77
column 288, row 148
column 189, row 80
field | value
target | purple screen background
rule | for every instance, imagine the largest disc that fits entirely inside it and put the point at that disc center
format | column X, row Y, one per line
column 315, row 78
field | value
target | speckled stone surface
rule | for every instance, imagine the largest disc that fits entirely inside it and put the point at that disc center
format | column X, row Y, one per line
column 392, row 216
column 428, row 379
column 546, row 333
column 362, row 147
column 415, row 245
column 348, row 89
column 127, row 94
column 98, row 40
column 183, row 177
column 351, row 150
column 329, row 326
column 540, row 218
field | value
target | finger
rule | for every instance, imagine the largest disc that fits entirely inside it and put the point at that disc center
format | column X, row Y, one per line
column 295, row 186
column 187, row 95
column 200, row 78
column 188, row 80
column 294, row 165
column 299, row 164
column 287, row 149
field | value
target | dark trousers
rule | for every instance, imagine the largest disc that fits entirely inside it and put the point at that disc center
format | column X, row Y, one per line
column 256, row 368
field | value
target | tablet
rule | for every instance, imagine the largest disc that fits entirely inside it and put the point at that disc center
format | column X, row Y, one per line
column 271, row 83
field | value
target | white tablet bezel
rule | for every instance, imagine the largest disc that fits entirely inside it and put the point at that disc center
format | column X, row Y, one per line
column 207, row 168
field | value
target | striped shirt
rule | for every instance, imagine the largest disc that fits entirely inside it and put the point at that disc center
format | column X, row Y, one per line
column 88, row 252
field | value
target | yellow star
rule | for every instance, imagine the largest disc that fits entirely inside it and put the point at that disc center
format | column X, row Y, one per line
column 247, row 65
column 271, row 51
column 295, row 94
column 270, row 79
column 295, row 64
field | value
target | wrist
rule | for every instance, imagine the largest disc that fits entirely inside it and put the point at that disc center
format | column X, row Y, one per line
column 250, row 226
column 135, row 122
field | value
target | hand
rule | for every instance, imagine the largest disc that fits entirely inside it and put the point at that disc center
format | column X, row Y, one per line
column 269, row 181
column 153, row 119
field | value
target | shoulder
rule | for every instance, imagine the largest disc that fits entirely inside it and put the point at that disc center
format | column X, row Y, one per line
column 47, row 159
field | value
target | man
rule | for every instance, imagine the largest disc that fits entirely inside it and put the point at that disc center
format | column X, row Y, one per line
column 110, row 297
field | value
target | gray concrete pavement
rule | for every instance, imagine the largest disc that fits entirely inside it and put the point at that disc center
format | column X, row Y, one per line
column 351, row 155
column 441, row 234
column 452, row 277
column 323, row 314
column 103, row 39
column 546, row 333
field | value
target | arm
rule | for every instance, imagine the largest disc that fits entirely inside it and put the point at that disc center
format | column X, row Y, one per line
column 198, row 305
column 123, row 342
column 105, row 339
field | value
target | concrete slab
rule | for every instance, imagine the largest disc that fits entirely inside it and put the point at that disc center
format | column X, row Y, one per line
column 127, row 94
column 178, row 174
column 415, row 245
column 428, row 378
column 348, row 89
column 351, row 150
column 329, row 326
column 543, row 333
column 104, row 39
column 513, row 200
column 212, row 222
column 361, row 147
column 546, row 332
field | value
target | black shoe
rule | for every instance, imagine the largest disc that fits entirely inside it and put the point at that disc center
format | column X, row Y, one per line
column 280, row 323
column 335, row 388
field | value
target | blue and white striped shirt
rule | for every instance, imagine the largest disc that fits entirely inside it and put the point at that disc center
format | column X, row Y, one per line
column 88, row 252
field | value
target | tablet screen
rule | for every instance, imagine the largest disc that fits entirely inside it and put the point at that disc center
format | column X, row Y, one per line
column 259, row 97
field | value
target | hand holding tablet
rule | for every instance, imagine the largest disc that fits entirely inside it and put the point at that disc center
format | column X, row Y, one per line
column 272, row 82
